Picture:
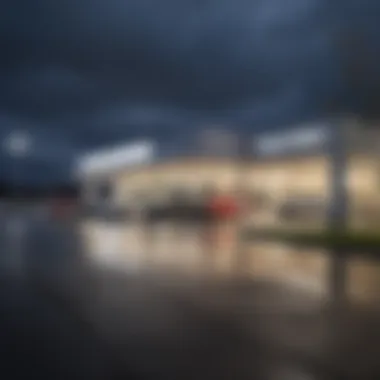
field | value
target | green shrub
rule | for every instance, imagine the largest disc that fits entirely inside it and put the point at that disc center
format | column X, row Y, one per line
column 349, row 241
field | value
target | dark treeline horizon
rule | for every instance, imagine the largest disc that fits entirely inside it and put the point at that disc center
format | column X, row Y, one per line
column 33, row 191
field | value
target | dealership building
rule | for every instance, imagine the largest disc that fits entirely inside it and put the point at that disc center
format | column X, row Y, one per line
column 286, row 175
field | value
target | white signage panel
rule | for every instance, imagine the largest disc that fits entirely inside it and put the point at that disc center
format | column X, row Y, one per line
column 292, row 141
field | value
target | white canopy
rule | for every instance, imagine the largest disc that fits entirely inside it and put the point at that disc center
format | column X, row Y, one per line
column 116, row 158
column 305, row 138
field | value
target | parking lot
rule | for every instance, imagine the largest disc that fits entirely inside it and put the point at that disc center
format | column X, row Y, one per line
column 124, row 245
column 31, row 240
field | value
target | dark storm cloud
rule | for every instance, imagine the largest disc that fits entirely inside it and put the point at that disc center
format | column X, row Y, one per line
column 198, row 55
column 93, row 71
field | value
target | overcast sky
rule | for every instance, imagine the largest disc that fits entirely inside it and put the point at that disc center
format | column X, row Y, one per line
column 81, row 73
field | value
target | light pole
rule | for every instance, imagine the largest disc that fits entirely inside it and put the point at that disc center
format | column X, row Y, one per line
column 17, row 145
column 244, row 160
column 350, row 57
column 338, row 211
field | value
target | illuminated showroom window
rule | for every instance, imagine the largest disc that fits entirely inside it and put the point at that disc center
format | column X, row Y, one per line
column 303, row 208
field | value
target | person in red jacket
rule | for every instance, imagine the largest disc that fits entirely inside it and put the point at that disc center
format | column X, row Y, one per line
column 223, row 211
column 224, row 207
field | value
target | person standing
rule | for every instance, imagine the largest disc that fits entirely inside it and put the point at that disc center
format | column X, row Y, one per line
column 225, row 210
column 221, row 212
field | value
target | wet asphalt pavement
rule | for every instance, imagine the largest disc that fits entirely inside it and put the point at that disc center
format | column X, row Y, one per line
column 60, row 319
column 41, row 265
column 32, row 241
